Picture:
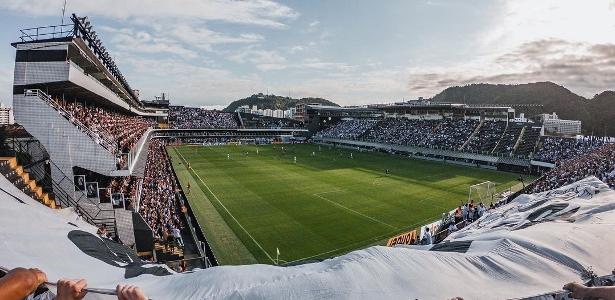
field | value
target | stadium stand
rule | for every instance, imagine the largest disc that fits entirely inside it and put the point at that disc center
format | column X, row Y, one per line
column 347, row 129
column 487, row 137
column 449, row 134
column 509, row 139
column 16, row 174
column 445, row 134
column 125, row 130
column 181, row 117
column 127, row 185
column 529, row 141
column 600, row 162
column 159, row 205
column 554, row 149
column 399, row 131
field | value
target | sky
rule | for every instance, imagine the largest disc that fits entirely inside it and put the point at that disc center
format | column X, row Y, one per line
column 212, row 52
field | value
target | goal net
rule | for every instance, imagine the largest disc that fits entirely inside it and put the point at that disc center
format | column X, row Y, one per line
column 482, row 192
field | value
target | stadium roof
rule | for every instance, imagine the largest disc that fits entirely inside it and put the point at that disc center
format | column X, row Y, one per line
column 80, row 32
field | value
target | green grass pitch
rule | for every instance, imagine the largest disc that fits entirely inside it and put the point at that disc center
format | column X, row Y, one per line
column 326, row 204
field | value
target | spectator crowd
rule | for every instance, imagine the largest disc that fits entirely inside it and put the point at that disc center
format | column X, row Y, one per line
column 600, row 162
column 452, row 134
column 487, row 137
column 554, row 149
column 159, row 205
column 181, row 117
column 347, row 129
column 445, row 133
column 123, row 130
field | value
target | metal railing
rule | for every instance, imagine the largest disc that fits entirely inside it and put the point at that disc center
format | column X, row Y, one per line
column 47, row 32
column 55, row 185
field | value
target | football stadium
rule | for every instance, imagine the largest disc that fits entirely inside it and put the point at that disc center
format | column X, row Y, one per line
column 418, row 199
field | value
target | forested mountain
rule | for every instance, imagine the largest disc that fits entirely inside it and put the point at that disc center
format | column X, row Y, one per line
column 597, row 114
column 274, row 102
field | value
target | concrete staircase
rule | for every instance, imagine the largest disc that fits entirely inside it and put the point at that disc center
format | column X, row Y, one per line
column 16, row 174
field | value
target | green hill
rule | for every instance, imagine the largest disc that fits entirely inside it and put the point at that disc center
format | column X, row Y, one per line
column 274, row 102
column 594, row 113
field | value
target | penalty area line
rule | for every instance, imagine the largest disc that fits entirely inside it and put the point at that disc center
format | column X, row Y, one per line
column 226, row 209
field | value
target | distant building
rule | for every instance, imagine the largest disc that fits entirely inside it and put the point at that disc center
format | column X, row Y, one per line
column 521, row 119
column 554, row 125
column 288, row 114
column 278, row 113
column 244, row 109
column 268, row 112
column 6, row 115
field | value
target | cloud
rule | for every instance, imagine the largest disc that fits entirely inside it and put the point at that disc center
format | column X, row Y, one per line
column 204, row 38
column 257, row 56
column 314, row 23
column 188, row 83
column 353, row 88
column 256, row 12
column 522, row 21
column 295, row 49
column 584, row 68
column 6, row 84
column 143, row 42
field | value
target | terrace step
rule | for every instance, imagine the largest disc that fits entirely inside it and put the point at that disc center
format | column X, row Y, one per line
column 16, row 174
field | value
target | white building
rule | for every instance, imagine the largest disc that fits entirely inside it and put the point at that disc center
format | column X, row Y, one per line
column 521, row 119
column 554, row 125
column 268, row 112
column 244, row 109
column 278, row 113
column 288, row 114
column 6, row 115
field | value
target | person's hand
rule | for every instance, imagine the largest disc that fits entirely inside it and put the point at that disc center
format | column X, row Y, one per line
column 21, row 282
column 577, row 291
column 71, row 289
column 129, row 292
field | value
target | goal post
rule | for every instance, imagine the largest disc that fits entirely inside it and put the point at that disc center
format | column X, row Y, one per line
column 482, row 192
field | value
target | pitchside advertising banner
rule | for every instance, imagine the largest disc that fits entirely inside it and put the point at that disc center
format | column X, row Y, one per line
column 407, row 238
column 410, row 237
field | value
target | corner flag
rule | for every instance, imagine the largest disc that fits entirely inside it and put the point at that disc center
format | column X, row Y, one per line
column 277, row 256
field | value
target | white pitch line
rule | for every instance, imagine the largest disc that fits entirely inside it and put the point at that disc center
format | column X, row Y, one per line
column 236, row 221
column 361, row 242
column 350, row 209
